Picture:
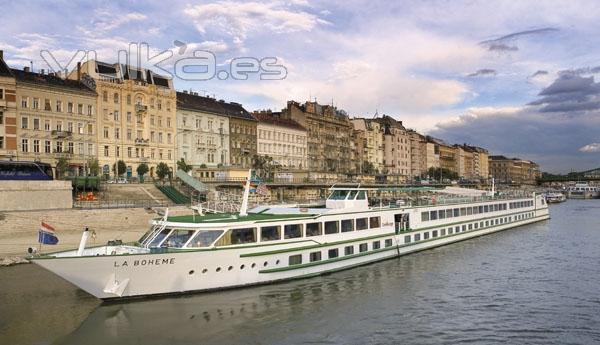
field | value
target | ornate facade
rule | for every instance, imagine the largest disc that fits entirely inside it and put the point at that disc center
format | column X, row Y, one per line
column 8, row 111
column 282, row 139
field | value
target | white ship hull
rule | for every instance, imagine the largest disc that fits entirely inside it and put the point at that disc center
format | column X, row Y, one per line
column 134, row 275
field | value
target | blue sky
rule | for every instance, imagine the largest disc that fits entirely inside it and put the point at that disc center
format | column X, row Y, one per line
column 513, row 77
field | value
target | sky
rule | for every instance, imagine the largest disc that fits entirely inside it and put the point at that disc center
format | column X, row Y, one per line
column 515, row 77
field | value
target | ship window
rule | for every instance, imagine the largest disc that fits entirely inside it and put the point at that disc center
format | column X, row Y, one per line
column 470, row 226
column 469, row 211
column 456, row 212
column 292, row 231
column 270, row 233
column 442, row 214
column 338, row 195
column 361, row 195
column 313, row 229
column 463, row 211
column 331, row 227
column 374, row 222
column 376, row 245
column 315, row 256
column 407, row 239
column 347, row 225
column 349, row 250
column 457, row 229
column 295, row 259
column 443, row 232
column 464, row 228
column 361, row 223
column 425, row 235
column 480, row 209
column 486, row 209
column 433, row 215
column 434, row 233
column 450, row 231
column 205, row 238
column 475, row 210
column 424, row 216
column 476, row 225
column 238, row 236
column 449, row 213
column 363, row 247
column 417, row 237
column 161, row 236
column 481, row 224
column 388, row 242
column 332, row 253
column 352, row 195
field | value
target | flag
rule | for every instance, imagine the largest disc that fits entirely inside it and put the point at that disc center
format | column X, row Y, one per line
column 47, row 234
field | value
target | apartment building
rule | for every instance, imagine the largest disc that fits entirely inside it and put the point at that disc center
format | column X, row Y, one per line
column 418, row 154
column 329, row 134
column 203, row 127
column 373, row 149
column 282, row 139
column 56, row 119
column 396, row 147
column 242, row 139
column 513, row 170
column 8, row 111
column 136, row 115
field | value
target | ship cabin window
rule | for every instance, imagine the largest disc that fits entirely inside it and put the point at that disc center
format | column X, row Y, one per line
column 417, row 237
column 469, row 211
column 270, row 233
column 407, row 239
column 480, row 209
column 362, row 195
column 424, row 216
column 238, row 236
column 434, row 234
column 388, row 242
column 464, row 228
column 374, row 222
column 349, row 250
column 376, row 245
column 433, row 215
column 160, row 237
column 449, row 213
column 481, row 224
column 456, row 212
column 331, row 227
column 352, row 195
column 295, row 259
column 486, row 208
column 204, row 238
column 362, row 224
column 313, row 229
column 457, row 229
column 363, row 247
column 443, row 232
column 476, row 225
column 441, row 214
column 332, row 253
column 425, row 235
column 450, row 231
column 178, row 238
column 292, row 231
column 315, row 256
column 475, row 210
column 487, row 223
column 338, row 195
column 347, row 225
column 470, row 226
column 463, row 211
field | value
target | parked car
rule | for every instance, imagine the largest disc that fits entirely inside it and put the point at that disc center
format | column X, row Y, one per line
column 122, row 180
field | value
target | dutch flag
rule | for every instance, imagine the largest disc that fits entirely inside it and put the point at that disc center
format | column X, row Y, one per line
column 47, row 234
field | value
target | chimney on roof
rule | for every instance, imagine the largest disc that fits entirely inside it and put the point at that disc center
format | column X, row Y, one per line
column 42, row 71
column 25, row 69
column 78, row 71
column 1, row 54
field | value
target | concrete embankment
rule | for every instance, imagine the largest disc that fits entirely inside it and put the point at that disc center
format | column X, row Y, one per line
column 19, row 229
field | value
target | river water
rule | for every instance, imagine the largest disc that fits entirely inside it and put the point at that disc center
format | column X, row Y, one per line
column 536, row 284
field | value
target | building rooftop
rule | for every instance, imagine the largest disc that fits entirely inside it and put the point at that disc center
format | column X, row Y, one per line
column 195, row 102
column 127, row 72
column 48, row 80
column 4, row 69
column 276, row 120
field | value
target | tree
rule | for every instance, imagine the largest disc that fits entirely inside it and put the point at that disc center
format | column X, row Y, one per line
column 122, row 168
column 263, row 166
column 436, row 173
column 182, row 165
column 93, row 166
column 142, row 170
column 162, row 171
column 62, row 165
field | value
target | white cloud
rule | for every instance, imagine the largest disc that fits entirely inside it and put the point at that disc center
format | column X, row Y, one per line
column 590, row 148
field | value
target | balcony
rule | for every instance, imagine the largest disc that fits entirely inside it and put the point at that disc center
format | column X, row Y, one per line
column 140, row 108
column 61, row 134
column 142, row 142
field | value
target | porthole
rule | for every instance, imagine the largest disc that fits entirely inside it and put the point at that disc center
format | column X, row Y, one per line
column 204, row 270
column 265, row 264
column 253, row 265
column 218, row 269
column 277, row 262
column 191, row 272
column 229, row 268
column 242, row 267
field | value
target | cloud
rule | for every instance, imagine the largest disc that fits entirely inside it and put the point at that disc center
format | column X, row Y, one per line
column 590, row 148
column 539, row 73
column 569, row 93
column 519, row 34
column 580, row 71
column 486, row 72
column 501, row 47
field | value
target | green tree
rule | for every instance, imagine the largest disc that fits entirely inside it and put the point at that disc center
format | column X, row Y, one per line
column 93, row 166
column 436, row 173
column 182, row 165
column 122, row 167
column 62, row 165
column 162, row 171
column 263, row 166
column 142, row 170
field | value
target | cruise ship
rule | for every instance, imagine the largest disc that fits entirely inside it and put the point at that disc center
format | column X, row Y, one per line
column 267, row 244
column 582, row 190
